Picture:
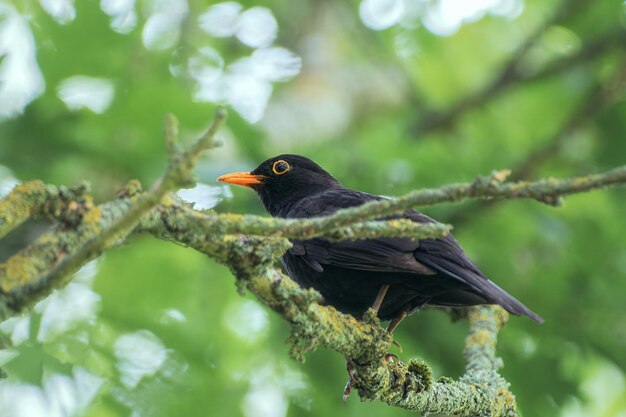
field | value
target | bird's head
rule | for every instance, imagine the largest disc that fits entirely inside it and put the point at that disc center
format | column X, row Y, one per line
column 282, row 180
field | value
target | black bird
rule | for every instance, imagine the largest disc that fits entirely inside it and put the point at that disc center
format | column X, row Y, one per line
column 392, row 275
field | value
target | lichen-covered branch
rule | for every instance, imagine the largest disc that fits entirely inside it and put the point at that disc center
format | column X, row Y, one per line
column 180, row 216
column 250, row 245
column 411, row 386
column 481, row 391
column 34, row 271
column 36, row 198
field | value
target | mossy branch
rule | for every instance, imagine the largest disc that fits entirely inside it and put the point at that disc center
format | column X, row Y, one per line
column 182, row 217
column 34, row 198
column 250, row 245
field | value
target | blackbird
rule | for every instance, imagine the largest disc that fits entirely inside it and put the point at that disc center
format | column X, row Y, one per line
column 394, row 276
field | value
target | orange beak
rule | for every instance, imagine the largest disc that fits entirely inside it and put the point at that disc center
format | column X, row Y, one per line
column 242, row 178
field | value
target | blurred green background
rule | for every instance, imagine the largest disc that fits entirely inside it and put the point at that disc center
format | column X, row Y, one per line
column 388, row 95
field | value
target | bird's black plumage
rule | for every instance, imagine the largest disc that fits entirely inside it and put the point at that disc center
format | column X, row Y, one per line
column 350, row 274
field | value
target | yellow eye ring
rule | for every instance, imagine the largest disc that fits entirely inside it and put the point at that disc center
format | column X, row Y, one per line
column 280, row 167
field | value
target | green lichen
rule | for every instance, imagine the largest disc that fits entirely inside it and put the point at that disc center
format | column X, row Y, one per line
column 19, row 204
column 301, row 344
column 92, row 219
column 505, row 403
column 131, row 189
column 17, row 271
column 480, row 338
column 422, row 375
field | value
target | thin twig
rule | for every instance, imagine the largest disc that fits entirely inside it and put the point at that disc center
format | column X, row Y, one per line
column 35, row 198
column 178, row 173
column 599, row 98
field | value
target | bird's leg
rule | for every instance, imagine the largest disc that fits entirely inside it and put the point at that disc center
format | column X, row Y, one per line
column 392, row 325
column 378, row 301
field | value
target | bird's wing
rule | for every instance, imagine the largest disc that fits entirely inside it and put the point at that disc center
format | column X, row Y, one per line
column 383, row 254
column 443, row 256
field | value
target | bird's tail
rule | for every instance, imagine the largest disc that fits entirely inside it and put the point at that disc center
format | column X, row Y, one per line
column 481, row 290
column 446, row 256
column 497, row 295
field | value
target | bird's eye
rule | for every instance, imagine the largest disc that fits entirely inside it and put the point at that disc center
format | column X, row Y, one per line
column 280, row 167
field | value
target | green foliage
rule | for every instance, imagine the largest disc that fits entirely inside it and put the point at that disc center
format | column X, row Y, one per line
column 354, row 108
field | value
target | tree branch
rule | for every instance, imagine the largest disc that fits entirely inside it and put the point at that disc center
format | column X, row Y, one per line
column 182, row 217
column 35, row 198
column 599, row 97
column 481, row 391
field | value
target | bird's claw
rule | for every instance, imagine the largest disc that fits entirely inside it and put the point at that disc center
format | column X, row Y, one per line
column 391, row 357
column 351, row 381
column 347, row 390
